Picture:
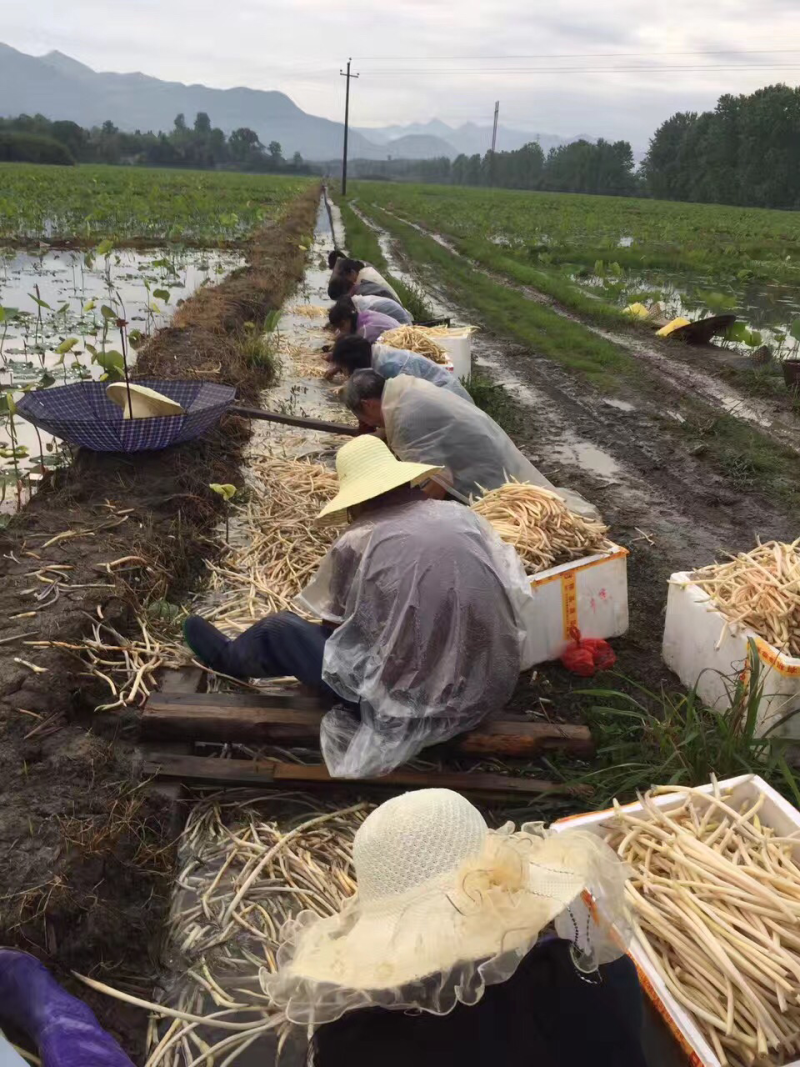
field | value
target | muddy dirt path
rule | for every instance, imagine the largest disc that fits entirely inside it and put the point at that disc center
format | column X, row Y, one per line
column 675, row 365
column 661, row 501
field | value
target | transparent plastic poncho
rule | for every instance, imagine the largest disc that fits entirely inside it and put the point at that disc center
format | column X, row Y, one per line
column 428, row 425
column 431, row 611
column 385, row 306
column 391, row 362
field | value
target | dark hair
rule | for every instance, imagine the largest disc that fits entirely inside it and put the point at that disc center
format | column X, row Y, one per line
column 339, row 285
column 333, row 256
column 352, row 354
column 343, row 311
column 349, row 266
column 361, row 386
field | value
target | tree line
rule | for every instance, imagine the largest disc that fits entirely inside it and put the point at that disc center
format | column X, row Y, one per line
column 580, row 167
column 36, row 139
column 744, row 152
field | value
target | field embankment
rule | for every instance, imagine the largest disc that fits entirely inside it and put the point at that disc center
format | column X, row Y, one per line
column 107, row 543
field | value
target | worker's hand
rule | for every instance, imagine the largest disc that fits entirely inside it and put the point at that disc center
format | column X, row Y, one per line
column 330, row 373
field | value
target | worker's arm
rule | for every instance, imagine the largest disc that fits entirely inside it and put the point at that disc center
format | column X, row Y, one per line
column 437, row 490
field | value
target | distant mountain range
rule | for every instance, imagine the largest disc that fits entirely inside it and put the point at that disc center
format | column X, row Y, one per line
column 439, row 139
column 59, row 87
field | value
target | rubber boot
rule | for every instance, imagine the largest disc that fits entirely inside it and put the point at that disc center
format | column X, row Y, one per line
column 63, row 1028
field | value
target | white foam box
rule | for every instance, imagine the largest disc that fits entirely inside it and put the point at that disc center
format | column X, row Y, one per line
column 705, row 652
column 458, row 347
column 590, row 594
column 775, row 812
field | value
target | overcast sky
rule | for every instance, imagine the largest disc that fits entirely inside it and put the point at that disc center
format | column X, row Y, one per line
column 421, row 59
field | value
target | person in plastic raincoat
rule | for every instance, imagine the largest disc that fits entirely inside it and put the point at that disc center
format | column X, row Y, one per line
column 346, row 320
column 424, row 424
column 351, row 354
column 352, row 276
column 385, row 306
column 424, row 618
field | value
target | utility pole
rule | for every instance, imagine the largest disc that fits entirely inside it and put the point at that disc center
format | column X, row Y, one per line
column 494, row 142
column 347, row 75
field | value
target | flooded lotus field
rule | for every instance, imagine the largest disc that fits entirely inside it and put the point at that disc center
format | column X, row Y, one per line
column 82, row 253
column 58, row 323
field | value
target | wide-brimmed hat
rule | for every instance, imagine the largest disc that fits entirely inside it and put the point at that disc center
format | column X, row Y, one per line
column 366, row 469
column 444, row 908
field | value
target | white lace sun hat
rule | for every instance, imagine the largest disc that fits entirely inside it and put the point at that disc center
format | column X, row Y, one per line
column 445, row 906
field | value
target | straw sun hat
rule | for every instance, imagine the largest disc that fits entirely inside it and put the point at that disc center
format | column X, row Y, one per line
column 444, row 908
column 366, row 468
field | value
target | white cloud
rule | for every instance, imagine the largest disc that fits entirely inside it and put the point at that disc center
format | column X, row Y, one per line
column 299, row 47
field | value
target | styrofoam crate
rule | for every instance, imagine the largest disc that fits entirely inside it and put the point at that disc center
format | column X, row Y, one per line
column 775, row 812
column 458, row 346
column 705, row 652
column 590, row 594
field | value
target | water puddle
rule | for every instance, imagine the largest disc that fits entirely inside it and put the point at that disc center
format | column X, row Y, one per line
column 583, row 454
column 765, row 310
column 54, row 330
column 570, row 448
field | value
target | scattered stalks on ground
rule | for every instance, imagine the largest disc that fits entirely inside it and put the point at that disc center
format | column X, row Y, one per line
column 716, row 902
column 243, row 874
column 540, row 526
column 759, row 589
column 282, row 546
column 309, row 311
column 127, row 666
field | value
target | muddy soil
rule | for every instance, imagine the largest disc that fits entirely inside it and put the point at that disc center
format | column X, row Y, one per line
column 85, row 852
column 661, row 500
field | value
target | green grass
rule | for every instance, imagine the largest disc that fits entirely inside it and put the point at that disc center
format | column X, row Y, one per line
column 569, row 343
column 646, row 738
column 749, row 460
column 493, row 399
column 596, row 254
column 362, row 242
column 553, row 227
column 138, row 204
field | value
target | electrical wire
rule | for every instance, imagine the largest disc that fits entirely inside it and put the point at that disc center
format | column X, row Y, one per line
column 710, row 68
column 611, row 55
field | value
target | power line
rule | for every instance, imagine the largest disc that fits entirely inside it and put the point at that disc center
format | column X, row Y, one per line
column 614, row 55
column 571, row 70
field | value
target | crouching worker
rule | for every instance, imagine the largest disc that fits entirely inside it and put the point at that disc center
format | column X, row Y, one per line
column 351, row 354
column 421, row 608
column 466, row 947
column 347, row 320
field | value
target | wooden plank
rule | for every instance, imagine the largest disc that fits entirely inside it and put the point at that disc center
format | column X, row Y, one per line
column 218, row 717
column 233, row 703
column 271, row 774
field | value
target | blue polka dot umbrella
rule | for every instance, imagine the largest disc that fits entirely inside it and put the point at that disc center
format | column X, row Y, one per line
column 82, row 414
